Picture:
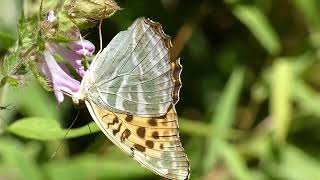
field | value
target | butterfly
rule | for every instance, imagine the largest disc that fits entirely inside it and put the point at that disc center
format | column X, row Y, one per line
column 130, row 89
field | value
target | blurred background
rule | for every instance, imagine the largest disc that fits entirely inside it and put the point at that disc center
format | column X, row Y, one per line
column 249, row 107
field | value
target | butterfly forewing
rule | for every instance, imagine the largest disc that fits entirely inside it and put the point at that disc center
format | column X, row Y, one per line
column 154, row 142
column 133, row 74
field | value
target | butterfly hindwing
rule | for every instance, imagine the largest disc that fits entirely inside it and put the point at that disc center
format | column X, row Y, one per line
column 154, row 142
column 134, row 74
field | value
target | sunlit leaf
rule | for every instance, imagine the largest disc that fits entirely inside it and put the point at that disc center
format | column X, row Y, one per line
column 281, row 84
column 20, row 159
column 224, row 113
column 47, row 129
column 223, row 116
column 307, row 98
column 260, row 27
column 90, row 166
column 310, row 11
column 34, row 101
column 296, row 164
column 233, row 160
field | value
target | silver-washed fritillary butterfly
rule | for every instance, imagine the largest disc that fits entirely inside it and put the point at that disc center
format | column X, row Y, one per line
column 131, row 89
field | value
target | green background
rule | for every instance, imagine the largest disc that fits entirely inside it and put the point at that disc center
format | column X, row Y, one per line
column 249, row 107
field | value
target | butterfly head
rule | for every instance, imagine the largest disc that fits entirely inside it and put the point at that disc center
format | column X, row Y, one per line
column 79, row 103
column 78, row 100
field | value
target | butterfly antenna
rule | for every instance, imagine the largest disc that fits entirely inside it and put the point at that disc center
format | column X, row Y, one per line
column 65, row 135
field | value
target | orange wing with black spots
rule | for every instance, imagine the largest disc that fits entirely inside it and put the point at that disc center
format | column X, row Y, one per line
column 153, row 142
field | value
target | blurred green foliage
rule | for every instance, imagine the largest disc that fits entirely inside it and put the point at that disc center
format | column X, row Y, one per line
column 249, row 106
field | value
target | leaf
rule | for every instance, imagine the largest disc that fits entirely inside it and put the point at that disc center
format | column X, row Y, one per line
column 6, row 40
column 9, row 13
column 194, row 150
column 195, row 128
column 227, row 103
column 296, row 164
column 259, row 26
column 10, row 62
column 223, row 117
column 281, row 98
column 40, row 128
column 233, row 161
column 310, row 11
column 47, row 129
column 89, row 166
column 20, row 160
column 307, row 99
column 34, row 101
column 201, row 129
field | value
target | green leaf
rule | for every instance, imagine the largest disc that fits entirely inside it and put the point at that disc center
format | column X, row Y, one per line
column 306, row 98
column 90, row 166
column 9, row 13
column 194, row 150
column 280, row 104
column 10, row 62
column 47, row 129
column 310, row 10
column 195, row 128
column 234, row 162
column 201, row 129
column 34, row 101
column 223, row 117
column 6, row 40
column 296, row 164
column 20, row 160
column 259, row 25
column 40, row 128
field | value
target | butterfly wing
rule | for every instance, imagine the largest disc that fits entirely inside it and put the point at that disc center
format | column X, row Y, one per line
column 134, row 74
column 131, row 89
column 153, row 142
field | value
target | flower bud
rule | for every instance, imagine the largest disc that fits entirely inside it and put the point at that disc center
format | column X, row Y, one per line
column 84, row 12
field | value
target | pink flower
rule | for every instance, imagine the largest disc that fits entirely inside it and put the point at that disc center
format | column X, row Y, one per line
column 72, row 57
column 61, row 81
column 85, row 47
column 57, row 74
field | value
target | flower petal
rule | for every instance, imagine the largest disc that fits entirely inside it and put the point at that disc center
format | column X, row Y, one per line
column 84, row 47
column 51, row 16
column 43, row 67
column 72, row 57
column 62, row 82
